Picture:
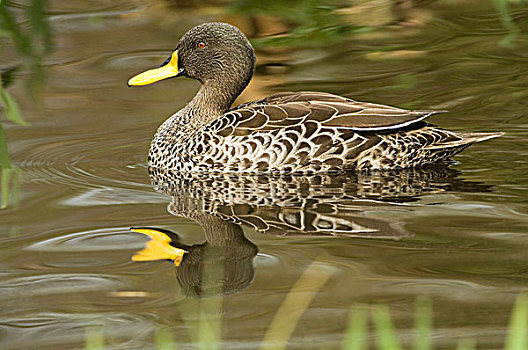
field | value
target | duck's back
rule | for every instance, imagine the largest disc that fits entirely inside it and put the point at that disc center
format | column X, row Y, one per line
column 304, row 132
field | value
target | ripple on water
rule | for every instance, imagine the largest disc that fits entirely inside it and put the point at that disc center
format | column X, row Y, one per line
column 91, row 240
column 263, row 260
column 136, row 59
column 79, row 6
column 60, row 330
column 56, row 284
column 104, row 9
column 104, row 171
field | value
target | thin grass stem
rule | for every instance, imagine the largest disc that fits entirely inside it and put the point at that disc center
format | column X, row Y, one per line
column 423, row 324
column 294, row 305
column 356, row 333
column 517, row 337
column 386, row 336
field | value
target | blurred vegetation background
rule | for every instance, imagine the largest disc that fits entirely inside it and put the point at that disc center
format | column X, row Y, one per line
column 279, row 25
column 30, row 35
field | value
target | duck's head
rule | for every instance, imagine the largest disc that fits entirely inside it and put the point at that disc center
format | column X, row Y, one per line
column 213, row 53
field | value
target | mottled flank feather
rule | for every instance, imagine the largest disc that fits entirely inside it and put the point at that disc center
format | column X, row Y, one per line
column 307, row 132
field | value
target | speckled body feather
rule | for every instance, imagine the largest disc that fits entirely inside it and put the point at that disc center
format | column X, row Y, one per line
column 305, row 132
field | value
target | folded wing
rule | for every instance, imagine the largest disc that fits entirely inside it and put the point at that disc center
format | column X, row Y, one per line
column 294, row 108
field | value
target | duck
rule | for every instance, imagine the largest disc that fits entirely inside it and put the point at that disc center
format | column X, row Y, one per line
column 286, row 133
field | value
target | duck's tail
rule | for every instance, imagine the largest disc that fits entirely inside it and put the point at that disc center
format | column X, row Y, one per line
column 464, row 140
column 444, row 150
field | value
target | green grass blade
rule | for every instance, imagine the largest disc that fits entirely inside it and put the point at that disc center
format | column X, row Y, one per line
column 356, row 333
column 517, row 337
column 5, row 159
column 294, row 305
column 503, row 6
column 210, row 324
column 94, row 338
column 39, row 24
column 188, row 311
column 10, row 25
column 386, row 336
column 4, row 187
column 164, row 340
column 210, row 327
column 423, row 324
column 466, row 344
column 12, row 111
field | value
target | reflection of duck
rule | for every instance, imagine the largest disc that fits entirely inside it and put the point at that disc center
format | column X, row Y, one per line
column 336, row 205
column 221, row 265
column 322, row 205
column 288, row 132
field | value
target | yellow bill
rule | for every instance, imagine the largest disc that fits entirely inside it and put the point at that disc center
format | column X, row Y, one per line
column 158, row 248
column 169, row 69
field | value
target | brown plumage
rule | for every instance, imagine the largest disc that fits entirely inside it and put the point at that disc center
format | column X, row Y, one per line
column 291, row 132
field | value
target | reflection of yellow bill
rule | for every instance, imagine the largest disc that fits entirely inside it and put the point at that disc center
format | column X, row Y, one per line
column 158, row 248
column 167, row 70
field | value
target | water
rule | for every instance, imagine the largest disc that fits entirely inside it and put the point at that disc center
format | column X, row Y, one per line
column 456, row 234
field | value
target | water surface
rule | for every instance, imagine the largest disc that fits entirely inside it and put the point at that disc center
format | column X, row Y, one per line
column 454, row 233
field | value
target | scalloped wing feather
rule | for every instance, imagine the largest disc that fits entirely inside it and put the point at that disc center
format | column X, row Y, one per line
column 294, row 108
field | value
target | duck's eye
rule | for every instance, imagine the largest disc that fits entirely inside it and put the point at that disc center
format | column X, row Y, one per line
column 201, row 45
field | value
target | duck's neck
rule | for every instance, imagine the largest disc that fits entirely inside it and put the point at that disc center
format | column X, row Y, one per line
column 214, row 98
column 207, row 105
